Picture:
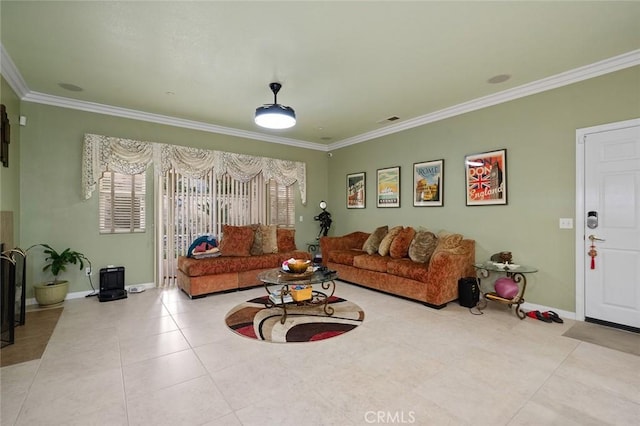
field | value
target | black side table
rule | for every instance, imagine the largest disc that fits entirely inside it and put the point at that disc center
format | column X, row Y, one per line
column 313, row 247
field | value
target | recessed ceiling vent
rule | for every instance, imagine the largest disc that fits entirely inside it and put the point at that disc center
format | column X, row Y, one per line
column 500, row 78
column 388, row 119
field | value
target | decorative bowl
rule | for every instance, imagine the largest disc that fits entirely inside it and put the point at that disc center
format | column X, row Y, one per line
column 298, row 266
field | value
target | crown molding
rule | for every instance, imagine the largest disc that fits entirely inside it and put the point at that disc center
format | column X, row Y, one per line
column 616, row 63
column 10, row 73
column 59, row 101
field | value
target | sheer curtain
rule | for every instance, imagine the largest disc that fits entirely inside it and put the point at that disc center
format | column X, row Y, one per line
column 207, row 187
column 190, row 207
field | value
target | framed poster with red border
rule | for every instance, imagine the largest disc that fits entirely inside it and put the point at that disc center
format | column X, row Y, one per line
column 486, row 178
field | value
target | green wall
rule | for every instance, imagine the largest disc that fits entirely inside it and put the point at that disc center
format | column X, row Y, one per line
column 538, row 132
column 10, row 176
column 54, row 212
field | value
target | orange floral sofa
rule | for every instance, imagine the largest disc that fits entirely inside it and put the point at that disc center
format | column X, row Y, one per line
column 245, row 252
column 403, row 261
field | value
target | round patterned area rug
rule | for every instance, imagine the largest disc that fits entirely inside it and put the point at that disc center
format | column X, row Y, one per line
column 303, row 324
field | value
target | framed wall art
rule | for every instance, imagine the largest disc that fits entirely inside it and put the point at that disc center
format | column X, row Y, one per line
column 486, row 178
column 5, row 136
column 356, row 190
column 428, row 184
column 388, row 187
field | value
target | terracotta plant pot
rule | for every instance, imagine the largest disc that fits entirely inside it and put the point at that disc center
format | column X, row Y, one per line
column 51, row 294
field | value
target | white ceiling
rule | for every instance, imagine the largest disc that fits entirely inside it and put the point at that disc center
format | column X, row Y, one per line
column 345, row 66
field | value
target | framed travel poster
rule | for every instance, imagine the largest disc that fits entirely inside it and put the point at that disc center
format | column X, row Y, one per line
column 486, row 178
column 428, row 184
column 388, row 187
column 356, row 192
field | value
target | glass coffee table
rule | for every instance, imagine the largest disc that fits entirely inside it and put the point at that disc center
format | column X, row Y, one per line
column 283, row 286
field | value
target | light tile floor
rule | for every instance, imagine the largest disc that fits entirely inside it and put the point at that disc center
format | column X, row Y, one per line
column 158, row 358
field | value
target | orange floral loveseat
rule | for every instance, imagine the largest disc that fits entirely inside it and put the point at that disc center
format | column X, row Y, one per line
column 403, row 261
column 245, row 252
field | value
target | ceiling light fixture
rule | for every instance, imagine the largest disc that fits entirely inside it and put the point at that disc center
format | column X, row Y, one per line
column 275, row 116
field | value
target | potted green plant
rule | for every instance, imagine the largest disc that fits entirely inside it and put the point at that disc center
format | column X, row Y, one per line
column 55, row 291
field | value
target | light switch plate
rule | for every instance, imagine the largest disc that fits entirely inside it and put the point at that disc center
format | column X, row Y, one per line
column 566, row 223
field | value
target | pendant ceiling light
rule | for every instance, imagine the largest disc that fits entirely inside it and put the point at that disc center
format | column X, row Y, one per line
column 275, row 116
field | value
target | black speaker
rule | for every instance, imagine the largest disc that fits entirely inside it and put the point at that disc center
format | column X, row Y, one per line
column 468, row 292
column 112, row 284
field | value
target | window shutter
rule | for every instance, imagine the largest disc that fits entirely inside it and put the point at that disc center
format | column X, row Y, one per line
column 122, row 203
column 281, row 205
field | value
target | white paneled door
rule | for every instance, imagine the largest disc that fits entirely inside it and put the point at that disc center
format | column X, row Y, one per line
column 612, row 226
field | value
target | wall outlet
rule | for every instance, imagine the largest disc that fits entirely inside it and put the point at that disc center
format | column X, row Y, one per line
column 87, row 271
column 300, row 218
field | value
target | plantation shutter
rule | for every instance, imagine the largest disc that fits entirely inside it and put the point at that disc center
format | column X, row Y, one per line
column 122, row 203
column 281, row 205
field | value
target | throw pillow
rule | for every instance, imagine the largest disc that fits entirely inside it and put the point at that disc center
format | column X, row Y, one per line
column 286, row 240
column 269, row 238
column 400, row 245
column 236, row 240
column 256, row 246
column 373, row 242
column 423, row 246
column 385, row 244
column 448, row 240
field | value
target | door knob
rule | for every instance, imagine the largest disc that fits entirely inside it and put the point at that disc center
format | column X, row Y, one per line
column 594, row 238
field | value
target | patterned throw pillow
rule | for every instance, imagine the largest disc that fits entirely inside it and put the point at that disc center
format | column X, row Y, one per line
column 423, row 246
column 256, row 246
column 449, row 240
column 400, row 245
column 385, row 244
column 373, row 242
column 269, row 238
column 451, row 243
column 286, row 240
column 236, row 240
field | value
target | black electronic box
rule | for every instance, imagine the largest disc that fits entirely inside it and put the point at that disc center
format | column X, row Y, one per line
column 468, row 292
column 112, row 284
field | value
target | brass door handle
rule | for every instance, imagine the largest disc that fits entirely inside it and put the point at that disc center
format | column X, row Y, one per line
column 594, row 238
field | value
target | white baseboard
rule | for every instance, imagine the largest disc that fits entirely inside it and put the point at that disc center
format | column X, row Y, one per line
column 81, row 294
column 525, row 306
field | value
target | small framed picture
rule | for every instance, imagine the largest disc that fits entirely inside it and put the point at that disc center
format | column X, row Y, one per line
column 356, row 190
column 5, row 137
column 428, row 184
column 388, row 187
column 486, row 178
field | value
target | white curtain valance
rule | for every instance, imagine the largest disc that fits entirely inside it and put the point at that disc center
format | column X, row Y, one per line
column 101, row 153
